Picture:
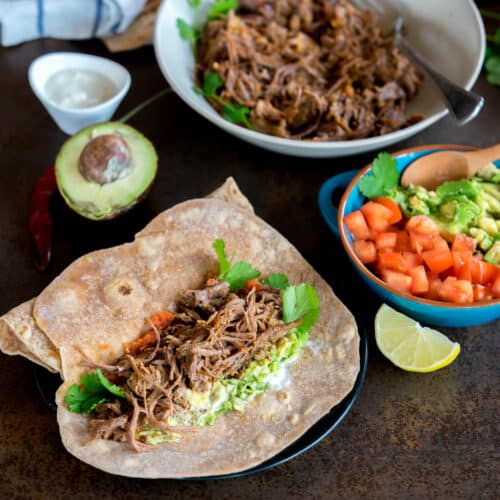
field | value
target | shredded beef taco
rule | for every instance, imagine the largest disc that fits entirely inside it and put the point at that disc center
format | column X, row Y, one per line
column 204, row 347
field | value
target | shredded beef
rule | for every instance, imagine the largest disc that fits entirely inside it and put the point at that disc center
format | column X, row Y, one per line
column 309, row 69
column 215, row 333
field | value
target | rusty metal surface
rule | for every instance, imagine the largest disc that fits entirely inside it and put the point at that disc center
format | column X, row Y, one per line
column 409, row 435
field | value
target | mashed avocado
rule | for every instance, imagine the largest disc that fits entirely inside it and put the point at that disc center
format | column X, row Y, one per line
column 231, row 393
column 468, row 206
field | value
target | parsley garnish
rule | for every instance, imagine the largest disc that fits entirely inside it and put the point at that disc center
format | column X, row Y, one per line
column 221, row 7
column 384, row 177
column 186, row 31
column 194, row 3
column 94, row 389
column 233, row 112
column 276, row 281
column 236, row 275
column 300, row 301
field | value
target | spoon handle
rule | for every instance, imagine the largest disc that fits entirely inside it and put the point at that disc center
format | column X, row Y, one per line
column 480, row 158
column 462, row 104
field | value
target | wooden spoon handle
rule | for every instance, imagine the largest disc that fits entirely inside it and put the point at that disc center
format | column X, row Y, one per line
column 480, row 158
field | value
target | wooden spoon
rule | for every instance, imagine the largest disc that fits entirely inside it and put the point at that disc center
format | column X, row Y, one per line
column 432, row 170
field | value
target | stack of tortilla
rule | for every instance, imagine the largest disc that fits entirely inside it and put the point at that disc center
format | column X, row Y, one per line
column 101, row 301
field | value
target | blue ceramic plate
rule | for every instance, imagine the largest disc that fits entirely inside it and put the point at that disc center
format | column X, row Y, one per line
column 47, row 384
column 425, row 310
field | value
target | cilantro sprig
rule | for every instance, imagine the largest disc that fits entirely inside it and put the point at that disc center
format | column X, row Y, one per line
column 233, row 112
column 186, row 31
column 94, row 389
column 221, row 8
column 492, row 55
column 278, row 280
column 300, row 301
column 384, row 177
column 236, row 274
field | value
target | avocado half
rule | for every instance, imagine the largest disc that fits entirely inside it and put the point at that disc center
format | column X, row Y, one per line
column 105, row 169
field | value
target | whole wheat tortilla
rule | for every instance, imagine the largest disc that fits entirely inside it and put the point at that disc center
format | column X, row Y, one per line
column 19, row 333
column 101, row 300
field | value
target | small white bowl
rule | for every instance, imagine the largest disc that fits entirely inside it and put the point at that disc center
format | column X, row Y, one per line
column 449, row 34
column 71, row 120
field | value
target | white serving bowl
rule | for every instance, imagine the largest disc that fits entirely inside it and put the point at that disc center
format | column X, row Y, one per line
column 71, row 120
column 449, row 34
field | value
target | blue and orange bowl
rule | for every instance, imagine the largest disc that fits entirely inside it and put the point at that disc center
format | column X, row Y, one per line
column 427, row 311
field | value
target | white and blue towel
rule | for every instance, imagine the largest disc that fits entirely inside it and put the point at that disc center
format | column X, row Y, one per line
column 22, row 20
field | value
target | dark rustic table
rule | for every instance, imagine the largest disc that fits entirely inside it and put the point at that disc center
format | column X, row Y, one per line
column 408, row 435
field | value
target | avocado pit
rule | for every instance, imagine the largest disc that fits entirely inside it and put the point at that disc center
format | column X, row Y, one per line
column 105, row 159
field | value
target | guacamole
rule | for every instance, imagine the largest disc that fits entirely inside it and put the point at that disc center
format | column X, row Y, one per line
column 468, row 206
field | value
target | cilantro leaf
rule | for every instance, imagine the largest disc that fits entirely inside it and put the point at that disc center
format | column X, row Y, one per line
column 300, row 302
column 211, row 84
column 278, row 280
column 236, row 113
column 112, row 388
column 186, row 31
column 94, row 389
column 236, row 275
column 220, row 249
column 221, row 7
column 239, row 274
column 384, row 177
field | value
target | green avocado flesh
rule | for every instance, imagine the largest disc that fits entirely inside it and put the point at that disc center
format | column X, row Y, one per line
column 468, row 206
column 231, row 393
column 105, row 201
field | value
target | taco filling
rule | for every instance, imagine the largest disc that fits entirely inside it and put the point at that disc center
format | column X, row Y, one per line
column 221, row 347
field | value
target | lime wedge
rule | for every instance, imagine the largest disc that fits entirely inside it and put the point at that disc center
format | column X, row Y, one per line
column 409, row 345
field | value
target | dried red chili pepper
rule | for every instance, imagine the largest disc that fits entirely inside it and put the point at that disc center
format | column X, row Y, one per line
column 39, row 218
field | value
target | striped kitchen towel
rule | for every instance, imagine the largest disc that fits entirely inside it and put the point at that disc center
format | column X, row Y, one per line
column 22, row 20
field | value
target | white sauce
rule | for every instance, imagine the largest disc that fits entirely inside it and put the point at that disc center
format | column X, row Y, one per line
column 79, row 88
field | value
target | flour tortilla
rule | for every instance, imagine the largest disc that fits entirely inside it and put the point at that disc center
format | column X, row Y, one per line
column 101, row 300
column 19, row 333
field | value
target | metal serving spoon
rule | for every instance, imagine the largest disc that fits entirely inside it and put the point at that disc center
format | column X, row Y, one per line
column 462, row 104
column 436, row 168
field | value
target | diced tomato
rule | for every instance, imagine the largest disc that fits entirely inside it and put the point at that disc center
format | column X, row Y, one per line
column 402, row 241
column 391, row 260
column 483, row 272
column 421, row 242
column 457, row 291
column 495, row 289
column 149, row 338
column 482, row 292
column 252, row 284
column 440, row 243
column 397, row 280
column 357, row 226
column 420, row 283
column 438, row 260
column 365, row 250
column 462, row 264
column 411, row 260
column 434, row 288
column 463, row 243
column 422, row 224
column 162, row 319
column 385, row 240
column 377, row 216
column 392, row 206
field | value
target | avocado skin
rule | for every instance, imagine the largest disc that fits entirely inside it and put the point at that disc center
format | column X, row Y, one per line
column 115, row 210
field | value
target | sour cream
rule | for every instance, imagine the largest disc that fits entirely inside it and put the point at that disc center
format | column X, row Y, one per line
column 79, row 88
